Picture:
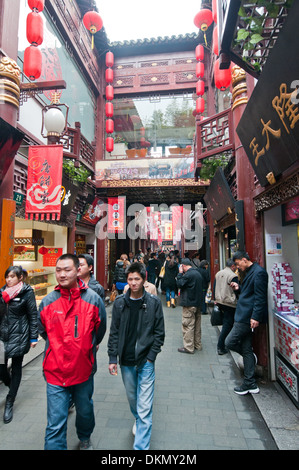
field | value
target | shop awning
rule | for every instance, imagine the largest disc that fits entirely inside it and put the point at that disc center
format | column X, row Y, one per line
column 218, row 198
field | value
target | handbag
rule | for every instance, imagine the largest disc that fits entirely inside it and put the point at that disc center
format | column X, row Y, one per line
column 216, row 316
column 162, row 272
column 113, row 295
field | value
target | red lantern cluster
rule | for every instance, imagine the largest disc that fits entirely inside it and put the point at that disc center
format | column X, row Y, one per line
column 200, row 85
column 109, row 97
column 32, row 67
column 93, row 22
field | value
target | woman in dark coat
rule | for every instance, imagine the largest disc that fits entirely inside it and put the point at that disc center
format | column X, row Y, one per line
column 18, row 330
column 169, row 280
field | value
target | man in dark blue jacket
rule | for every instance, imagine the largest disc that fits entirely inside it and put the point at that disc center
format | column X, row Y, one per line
column 252, row 309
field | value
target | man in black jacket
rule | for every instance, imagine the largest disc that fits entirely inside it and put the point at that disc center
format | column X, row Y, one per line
column 252, row 309
column 86, row 264
column 136, row 337
column 189, row 281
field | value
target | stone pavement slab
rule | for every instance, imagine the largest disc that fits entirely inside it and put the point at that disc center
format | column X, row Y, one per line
column 195, row 407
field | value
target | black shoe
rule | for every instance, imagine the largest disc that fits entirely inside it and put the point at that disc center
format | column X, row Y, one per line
column 183, row 350
column 222, row 351
column 243, row 389
column 8, row 411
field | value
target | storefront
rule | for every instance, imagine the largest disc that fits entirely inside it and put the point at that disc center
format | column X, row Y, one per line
column 37, row 245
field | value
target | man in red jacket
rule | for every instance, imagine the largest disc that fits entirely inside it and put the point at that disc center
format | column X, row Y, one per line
column 72, row 320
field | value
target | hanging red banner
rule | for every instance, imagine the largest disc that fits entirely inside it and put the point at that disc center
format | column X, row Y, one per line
column 116, row 214
column 94, row 211
column 44, row 182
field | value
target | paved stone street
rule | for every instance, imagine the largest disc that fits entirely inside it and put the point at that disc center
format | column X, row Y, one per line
column 194, row 407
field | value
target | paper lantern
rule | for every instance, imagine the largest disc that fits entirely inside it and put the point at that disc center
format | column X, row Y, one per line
column 199, row 52
column 109, row 59
column 38, row 5
column 222, row 77
column 200, row 105
column 109, row 126
column 200, row 87
column 215, row 41
column 203, row 20
column 109, row 109
column 109, row 75
column 214, row 10
column 200, row 69
column 93, row 22
column 32, row 66
column 109, row 93
column 109, row 144
column 34, row 28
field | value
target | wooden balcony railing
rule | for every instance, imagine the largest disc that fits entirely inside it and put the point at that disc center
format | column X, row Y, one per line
column 77, row 147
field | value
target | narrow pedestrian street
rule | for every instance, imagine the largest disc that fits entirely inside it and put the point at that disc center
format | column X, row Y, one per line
column 195, row 407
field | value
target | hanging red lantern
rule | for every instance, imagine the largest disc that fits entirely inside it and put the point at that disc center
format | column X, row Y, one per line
column 109, row 126
column 38, row 5
column 109, row 75
column 200, row 105
column 109, row 144
column 109, row 59
column 32, row 66
column 203, row 20
column 200, row 69
column 109, row 109
column 222, row 77
column 35, row 28
column 214, row 10
column 215, row 41
column 109, row 92
column 93, row 22
column 199, row 52
column 200, row 87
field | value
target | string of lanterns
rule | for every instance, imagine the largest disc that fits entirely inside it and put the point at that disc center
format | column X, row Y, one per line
column 32, row 66
column 109, row 75
column 222, row 77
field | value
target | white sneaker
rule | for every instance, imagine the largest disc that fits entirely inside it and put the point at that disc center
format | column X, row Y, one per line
column 85, row 445
column 134, row 429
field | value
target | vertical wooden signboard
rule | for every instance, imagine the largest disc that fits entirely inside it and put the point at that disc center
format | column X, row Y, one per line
column 7, row 236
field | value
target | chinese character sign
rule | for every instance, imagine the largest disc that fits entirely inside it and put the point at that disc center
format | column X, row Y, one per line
column 44, row 182
column 116, row 214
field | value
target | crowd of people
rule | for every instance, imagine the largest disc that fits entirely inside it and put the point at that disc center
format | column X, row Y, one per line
column 72, row 321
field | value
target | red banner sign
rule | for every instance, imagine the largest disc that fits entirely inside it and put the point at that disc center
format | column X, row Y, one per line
column 44, row 182
column 116, row 214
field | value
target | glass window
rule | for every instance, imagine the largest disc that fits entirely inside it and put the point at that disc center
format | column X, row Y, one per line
column 159, row 126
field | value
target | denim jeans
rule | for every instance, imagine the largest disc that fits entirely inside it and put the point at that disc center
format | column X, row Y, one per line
column 139, row 383
column 228, row 321
column 58, row 402
column 170, row 294
column 240, row 341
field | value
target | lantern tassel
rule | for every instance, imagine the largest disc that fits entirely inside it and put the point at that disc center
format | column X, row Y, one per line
column 92, row 41
column 205, row 39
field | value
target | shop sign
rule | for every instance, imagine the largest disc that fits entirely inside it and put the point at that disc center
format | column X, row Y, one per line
column 94, row 211
column 269, row 127
column 218, row 198
column 116, row 214
column 69, row 193
column 44, row 182
column 18, row 197
column 51, row 256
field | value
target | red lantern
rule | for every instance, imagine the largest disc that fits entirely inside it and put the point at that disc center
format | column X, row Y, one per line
column 200, row 87
column 109, row 75
column 199, row 52
column 32, row 67
column 200, row 105
column 109, row 109
column 36, row 5
column 222, row 77
column 109, row 93
column 109, row 59
column 109, row 144
column 93, row 22
column 203, row 20
column 215, row 41
column 109, row 126
column 35, row 28
column 214, row 10
column 200, row 69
